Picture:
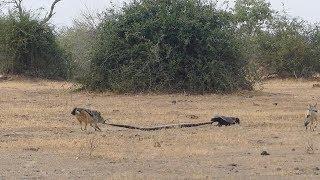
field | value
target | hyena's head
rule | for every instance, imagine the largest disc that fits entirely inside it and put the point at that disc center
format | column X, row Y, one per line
column 75, row 111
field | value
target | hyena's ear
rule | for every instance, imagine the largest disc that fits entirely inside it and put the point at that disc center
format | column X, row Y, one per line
column 316, row 105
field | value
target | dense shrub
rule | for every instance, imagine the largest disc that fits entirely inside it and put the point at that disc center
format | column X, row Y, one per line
column 78, row 41
column 314, row 39
column 5, row 53
column 30, row 48
column 289, row 48
column 168, row 45
column 252, row 17
column 275, row 43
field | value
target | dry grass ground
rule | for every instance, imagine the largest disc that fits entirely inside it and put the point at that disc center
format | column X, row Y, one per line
column 40, row 138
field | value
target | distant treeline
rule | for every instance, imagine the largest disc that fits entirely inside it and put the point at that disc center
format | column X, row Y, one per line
column 164, row 46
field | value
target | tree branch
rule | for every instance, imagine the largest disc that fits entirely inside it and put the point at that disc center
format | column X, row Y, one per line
column 16, row 3
column 19, row 7
column 51, row 13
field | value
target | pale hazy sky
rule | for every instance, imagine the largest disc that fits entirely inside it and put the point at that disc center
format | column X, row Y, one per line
column 67, row 10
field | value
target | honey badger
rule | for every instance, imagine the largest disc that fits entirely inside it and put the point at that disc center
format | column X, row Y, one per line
column 225, row 121
column 88, row 116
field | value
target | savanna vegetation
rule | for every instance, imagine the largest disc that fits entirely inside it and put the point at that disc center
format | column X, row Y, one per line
column 28, row 44
column 163, row 46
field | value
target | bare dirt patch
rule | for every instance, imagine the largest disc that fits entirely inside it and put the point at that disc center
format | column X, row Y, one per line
column 40, row 138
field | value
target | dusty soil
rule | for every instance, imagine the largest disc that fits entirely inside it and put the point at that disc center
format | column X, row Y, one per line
column 39, row 138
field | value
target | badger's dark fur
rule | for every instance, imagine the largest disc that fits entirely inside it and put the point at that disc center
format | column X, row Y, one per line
column 225, row 121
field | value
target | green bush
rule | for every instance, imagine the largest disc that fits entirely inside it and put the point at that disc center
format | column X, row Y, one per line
column 167, row 46
column 314, row 50
column 290, row 48
column 30, row 48
column 252, row 17
column 275, row 43
column 78, row 41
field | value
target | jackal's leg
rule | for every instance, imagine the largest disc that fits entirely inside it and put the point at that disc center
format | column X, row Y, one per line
column 80, row 125
column 85, row 125
column 97, row 127
column 93, row 125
